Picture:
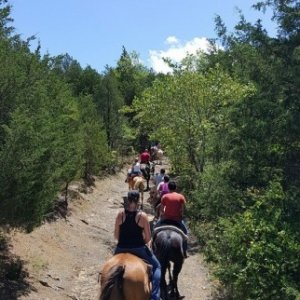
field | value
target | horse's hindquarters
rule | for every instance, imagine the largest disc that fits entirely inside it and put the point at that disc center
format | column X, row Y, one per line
column 136, row 288
column 134, row 283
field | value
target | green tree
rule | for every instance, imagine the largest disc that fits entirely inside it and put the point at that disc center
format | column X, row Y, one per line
column 187, row 113
column 96, row 155
column 109, row 100
column 5, row 19
column 42, row 151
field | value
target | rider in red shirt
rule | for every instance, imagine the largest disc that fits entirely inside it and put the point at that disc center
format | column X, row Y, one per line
column 172, row 206
column 145, row 157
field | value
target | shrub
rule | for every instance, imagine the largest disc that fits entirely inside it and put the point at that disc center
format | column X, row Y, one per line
column 257, row 252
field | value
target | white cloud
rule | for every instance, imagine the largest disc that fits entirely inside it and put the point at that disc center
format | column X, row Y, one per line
column 157, row 63
column 172, row 40
column 176, row 52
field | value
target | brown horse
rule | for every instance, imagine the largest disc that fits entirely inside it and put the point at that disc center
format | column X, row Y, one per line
column 146, row 169
column 130, row 182
column 139, row 185
column 136, row 183
column 125, row 277
column 153, row 200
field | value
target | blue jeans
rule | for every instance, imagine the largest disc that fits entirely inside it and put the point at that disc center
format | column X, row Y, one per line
column 146, row 254
column 179, row 224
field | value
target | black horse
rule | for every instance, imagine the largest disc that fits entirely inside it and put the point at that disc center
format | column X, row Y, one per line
column 145, row 168
column 168, row 247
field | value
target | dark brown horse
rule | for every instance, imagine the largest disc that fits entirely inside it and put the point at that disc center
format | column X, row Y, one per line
column 125, row 277
column 168, row 247
column 145, row 168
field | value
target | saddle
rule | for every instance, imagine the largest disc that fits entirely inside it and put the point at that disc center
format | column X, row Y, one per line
column 170, row 227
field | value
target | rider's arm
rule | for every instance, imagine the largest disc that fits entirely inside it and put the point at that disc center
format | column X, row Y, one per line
column 145, row 224
column 162, row 206
column 118, row 222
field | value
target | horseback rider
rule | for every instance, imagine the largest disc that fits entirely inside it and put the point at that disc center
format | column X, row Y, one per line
column 162, row 189
column 159, row 177
column 132, row 231
column 136, row 168
column 171, row 211
column 133, row 171
column 145, row 157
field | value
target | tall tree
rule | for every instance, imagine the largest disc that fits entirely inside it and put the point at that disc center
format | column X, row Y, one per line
column 42, row 151
column 186, row 111
column 96, row 155
column 109, row 100
column 132, row 75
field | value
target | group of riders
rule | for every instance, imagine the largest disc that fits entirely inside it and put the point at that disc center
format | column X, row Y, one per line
column 132, row 228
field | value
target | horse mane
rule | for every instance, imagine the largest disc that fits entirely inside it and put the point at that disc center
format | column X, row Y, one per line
column 115, row 278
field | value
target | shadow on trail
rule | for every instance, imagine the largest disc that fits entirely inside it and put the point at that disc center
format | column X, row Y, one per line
column 13, row 278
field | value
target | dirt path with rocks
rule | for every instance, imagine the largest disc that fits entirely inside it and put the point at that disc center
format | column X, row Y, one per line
column 63, row 258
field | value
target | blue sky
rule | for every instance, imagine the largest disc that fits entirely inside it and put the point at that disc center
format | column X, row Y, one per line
column 94, row 31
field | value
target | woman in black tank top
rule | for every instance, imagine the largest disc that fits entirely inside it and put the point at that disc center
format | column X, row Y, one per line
column 132, row 231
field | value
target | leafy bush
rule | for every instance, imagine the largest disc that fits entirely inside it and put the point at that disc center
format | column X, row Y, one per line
column 257, row 251
column 214, row 196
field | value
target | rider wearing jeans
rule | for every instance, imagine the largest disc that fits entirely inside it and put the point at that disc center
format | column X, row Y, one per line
column 171, row 210
column 132, row 230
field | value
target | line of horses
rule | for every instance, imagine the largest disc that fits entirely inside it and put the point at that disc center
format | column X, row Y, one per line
column 127, row 277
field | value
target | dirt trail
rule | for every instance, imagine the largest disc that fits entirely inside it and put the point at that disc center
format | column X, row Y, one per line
column 63, row 258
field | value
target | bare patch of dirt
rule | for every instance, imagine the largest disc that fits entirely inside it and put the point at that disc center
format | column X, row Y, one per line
column 61, row 259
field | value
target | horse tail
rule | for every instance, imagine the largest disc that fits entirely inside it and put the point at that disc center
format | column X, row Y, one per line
column 115, row 279
column 144, row 172
column 162, row 245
